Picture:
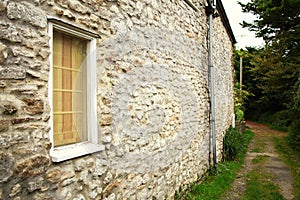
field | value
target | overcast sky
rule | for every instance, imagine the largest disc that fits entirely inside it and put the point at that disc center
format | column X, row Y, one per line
column 235, row 15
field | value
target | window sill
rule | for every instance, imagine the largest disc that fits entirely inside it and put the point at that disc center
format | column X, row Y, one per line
column 63, row 153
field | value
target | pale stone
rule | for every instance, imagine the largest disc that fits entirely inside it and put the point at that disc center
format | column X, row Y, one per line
column 12, row 73
column 69, row 14
column 108, row 178
column 35, row 185
column 6, row 164
column 65, row 193
column 4, row 125
column 83, row 176
column 3, row 52
column 58, row 10
column 139, row 6
column 67, row 182
column 99, row 171
column 33, row 73
column 79, row 197
column 78, row 7
column 114, row 9
column 143, row 194
column 27, row 13
column 79, row 165
column 54, row 175
column 15, row 190
column 111, row 197
column 93, row 194
column 106, row 139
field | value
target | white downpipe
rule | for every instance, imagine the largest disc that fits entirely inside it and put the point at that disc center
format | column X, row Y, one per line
column 211, row 85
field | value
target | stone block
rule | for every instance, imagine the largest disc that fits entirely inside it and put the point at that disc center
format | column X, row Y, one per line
column 12, row 73
column 67, row 182
column 15, row 190
column 34, row 106
column 6, row 166
column 27, row 13
column 105, row 139
column 106, row 120
column 19, row 120
column 9, row 32
column 9, row 108
column 44, row 196
column 4, row 125
column 3, row 52
column 54, row 175
column 34, row 185
column 78, row 7
column 32, row 166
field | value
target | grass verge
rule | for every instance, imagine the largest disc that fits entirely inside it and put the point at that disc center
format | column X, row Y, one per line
column 260, row 187
column 292, row 158
column 214, row 186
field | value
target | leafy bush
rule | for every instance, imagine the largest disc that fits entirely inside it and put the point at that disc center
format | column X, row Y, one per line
column 281, row 118
column 233, row 144
column 239, row 115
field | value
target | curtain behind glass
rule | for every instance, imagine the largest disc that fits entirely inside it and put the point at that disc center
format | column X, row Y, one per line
column 69, row 89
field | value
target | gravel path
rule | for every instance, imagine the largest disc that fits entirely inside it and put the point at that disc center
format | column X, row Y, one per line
column 262, row 145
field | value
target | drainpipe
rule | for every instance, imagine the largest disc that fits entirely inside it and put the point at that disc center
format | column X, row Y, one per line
column 210, row 9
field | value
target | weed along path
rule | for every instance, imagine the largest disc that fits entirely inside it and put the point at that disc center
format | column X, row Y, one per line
column 264, row 175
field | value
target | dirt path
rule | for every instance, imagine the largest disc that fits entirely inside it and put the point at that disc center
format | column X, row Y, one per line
column 262, row 146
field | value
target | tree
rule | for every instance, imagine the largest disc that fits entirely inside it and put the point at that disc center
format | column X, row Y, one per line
column 276, row 68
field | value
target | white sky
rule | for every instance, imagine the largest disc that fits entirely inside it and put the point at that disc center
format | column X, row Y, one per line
column 235, row 15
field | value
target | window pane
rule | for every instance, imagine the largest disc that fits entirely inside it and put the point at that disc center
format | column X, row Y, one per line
column 69, row 89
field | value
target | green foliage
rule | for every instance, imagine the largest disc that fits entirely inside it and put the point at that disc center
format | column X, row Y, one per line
column 275, row 17
column 294, row 134
column 241, row 93
column 233, row 144
column 239, row 115
column 240, row 96
column 277, row 121
column 274, row 70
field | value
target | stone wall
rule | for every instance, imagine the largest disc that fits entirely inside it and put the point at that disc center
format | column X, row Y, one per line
column 152, row 99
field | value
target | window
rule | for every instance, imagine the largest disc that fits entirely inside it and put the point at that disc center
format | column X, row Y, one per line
column 72, row 92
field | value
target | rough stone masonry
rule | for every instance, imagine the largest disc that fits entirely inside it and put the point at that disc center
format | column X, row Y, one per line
column 152, row 98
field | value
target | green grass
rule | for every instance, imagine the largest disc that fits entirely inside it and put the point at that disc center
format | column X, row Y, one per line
column 259, row 159
column 215, row 185
column 292, row 158
column 257, row 150
column 259, row 187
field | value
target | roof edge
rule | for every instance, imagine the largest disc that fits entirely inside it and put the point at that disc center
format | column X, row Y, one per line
column 224, row 17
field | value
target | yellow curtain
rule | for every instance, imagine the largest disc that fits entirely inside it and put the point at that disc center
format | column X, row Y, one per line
column 69, row 89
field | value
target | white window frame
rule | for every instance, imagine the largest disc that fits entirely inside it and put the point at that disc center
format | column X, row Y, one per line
column 67, row 152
